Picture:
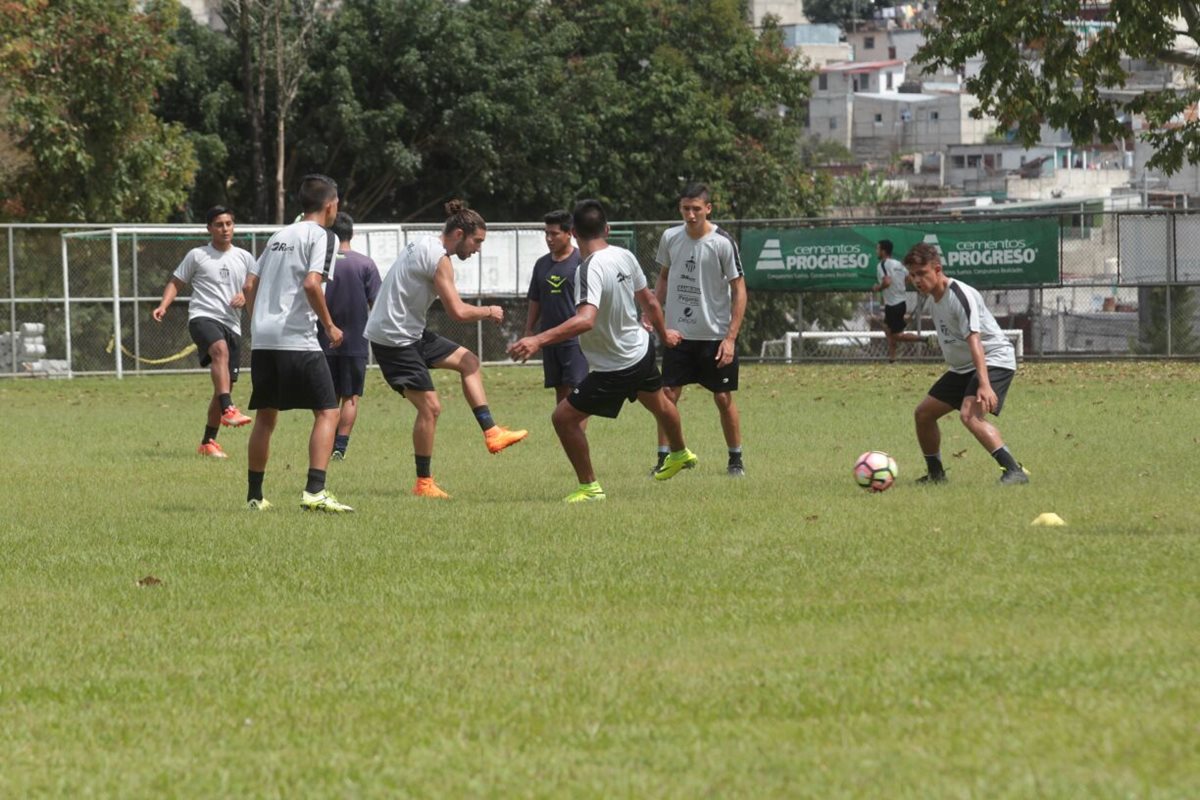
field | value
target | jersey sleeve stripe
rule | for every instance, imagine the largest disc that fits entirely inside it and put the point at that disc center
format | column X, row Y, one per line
column 330, row 252
column 968, row 307
column 581, row 278
column 737, row 256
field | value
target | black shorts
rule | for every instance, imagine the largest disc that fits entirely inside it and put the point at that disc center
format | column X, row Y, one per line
column 953, row 387
column 695, row 361
column 603, row 393
column 205, row 333
column 287, row 379
column 349, row 374
column 408, row 367
column 893, row 317
column 564, row 364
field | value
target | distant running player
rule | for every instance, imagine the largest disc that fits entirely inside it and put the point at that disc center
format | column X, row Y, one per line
column 216, row 272
column 287, row 368
column 552, row 302
column 349, row 298
column 405, row 350
column 703, row 294
column 982, row 364
column 609, row 286
column 891, row 277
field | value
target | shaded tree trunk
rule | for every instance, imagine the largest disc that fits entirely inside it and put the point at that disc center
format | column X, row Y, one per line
column 254, row 83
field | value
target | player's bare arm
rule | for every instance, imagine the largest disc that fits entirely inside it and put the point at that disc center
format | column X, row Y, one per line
column 737, row 301
column 583, row 321
column 170, row 292
column 315, row 293
column 249, row 290
column 652, row 311
column 532, row 317
column 238, row 300
column 443, row 284
column 660, row 293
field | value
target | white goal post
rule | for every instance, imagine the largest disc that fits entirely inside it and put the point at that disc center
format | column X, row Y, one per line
column 849, row 340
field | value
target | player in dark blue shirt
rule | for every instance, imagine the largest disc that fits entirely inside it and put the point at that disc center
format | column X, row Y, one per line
column 552, row 302
column 349, row 296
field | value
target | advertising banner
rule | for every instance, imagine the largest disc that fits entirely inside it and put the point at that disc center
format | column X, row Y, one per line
column 984, row 254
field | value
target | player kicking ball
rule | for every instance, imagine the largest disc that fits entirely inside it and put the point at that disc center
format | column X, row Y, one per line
column 405, row 350
column 982, row 363
column 609, row 285
column 216, row 273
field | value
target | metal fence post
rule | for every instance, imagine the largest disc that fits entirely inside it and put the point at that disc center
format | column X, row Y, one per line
column 66, row 276
column 116, row 300
column 12, row 297
column 137, row 318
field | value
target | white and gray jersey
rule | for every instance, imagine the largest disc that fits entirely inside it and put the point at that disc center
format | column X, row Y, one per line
column 608, row 280
column 401, row 309
column 215, row 276
column 698, row 302
column 895, row 294
column 960, row 313
column 282, row 318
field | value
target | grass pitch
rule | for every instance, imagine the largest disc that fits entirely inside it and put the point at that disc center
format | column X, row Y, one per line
column 787, row 635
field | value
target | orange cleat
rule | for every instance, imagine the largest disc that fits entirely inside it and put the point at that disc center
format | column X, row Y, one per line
column 232, row 418
column 498, row 438
column 211, row 449
column 425, row 487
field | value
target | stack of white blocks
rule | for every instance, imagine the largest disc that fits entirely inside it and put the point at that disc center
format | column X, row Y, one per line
column 27, row 347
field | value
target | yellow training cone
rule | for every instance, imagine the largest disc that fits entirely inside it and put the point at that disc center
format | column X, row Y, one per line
column 1049, row 519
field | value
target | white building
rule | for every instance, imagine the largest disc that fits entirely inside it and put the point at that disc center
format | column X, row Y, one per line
column 889, row 124
column 789, row 12
column 820, row 44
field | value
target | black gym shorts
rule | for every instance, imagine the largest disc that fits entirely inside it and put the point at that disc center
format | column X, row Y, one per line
column 408, row 367
column 695, row 361
column 288, row 379
column 603, row 393
column 206, row 332
column 953, row 387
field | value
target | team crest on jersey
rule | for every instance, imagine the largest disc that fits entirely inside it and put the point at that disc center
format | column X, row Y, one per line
column 556, row 283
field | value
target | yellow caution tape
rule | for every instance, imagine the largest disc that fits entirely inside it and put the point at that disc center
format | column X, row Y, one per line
column 184, row 353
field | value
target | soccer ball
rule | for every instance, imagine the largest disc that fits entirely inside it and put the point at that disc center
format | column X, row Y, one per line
column 875, row 471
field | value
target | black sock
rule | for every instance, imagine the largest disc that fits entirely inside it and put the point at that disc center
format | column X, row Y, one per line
column 424, row 466
column 210, row 434
column 933, row 464
column 735, row 455
column 1005, row 459
column 225, row 400
column 316, row 481
column 341, row 442
column 254, row 481
column 663, row 451
column 484, row 415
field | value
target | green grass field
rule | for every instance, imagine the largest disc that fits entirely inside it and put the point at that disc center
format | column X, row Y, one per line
column 788, row 635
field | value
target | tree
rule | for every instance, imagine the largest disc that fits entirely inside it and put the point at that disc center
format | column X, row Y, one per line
column 1043, row 65
column 78, row 80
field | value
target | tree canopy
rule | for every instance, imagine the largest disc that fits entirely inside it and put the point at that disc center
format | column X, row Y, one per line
column 77, row 84
column 517, row 105
column 1042, row 63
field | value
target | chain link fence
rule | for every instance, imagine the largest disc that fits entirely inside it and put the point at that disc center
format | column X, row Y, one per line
column 77, row 299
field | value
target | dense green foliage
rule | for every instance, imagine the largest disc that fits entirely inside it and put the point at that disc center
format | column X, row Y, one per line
column 1043, row 66
column 77, row 85
column 787, row 635
column 518, row 105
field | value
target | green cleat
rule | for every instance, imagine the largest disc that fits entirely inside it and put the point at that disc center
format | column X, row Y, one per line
column 674, row 462
column 586, row 493
column 259, row 505
column 323, row 501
